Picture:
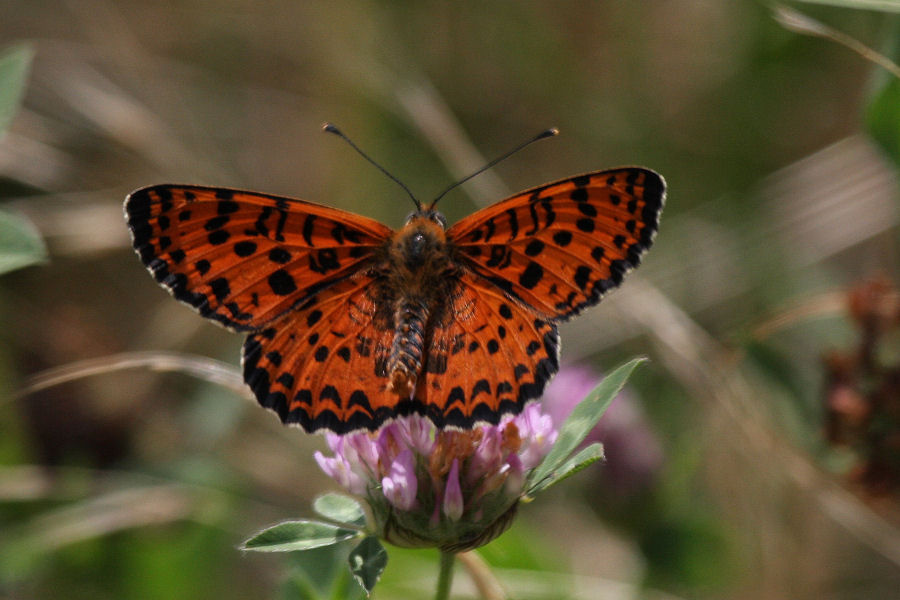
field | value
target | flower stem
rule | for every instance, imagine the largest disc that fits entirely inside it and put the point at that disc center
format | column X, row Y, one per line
column 485, row 581
column 446, row 576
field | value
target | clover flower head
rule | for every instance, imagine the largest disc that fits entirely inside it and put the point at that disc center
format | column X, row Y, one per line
column 452, row 489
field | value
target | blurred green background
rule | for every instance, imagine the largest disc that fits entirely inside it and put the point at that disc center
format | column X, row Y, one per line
column 780, row 150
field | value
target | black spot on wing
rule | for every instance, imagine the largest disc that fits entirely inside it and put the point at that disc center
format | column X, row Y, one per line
column 513, row 223
column 217, row 222
column 582, row 276
column 579, row 195
column 308, row 229
column 534, row 247
column 531, row 276
column 581, row 181
column 244, row 248
column 344, row 353
column 220, row 288
column 282, row 283
column 218, row 237
column 226, row 207
column 562, row 238
column 279, row 256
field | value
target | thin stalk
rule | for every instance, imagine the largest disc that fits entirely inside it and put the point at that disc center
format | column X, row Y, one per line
column 445, row 578
column 485, row 581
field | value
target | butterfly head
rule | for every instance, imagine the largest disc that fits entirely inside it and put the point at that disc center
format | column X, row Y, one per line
column 422, row 239
column 427, row 215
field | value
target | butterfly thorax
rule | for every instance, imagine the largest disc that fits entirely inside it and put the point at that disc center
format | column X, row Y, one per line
column 418, row 282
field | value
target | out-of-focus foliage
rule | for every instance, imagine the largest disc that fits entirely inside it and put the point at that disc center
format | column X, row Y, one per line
column 14, row 64
column 20, row 244
column 883, row 110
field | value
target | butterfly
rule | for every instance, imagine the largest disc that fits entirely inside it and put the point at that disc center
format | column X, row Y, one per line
column 352, row 324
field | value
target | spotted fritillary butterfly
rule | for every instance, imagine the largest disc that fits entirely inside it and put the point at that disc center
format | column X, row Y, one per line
column 352, row 323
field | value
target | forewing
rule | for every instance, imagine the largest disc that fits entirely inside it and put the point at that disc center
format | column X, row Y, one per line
column 244, row 259
column 488, row 356
column 560, row 247
column 323, row 365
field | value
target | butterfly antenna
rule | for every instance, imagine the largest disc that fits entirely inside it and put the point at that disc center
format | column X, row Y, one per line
column 544, row 134
column 330, row 128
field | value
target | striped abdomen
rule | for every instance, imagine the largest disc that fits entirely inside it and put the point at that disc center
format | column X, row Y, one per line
column 408, row 348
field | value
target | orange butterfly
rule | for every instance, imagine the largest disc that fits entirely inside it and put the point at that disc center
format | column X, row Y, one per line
column 352, row 323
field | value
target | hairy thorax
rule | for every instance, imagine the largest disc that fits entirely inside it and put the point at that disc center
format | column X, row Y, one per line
column 418, row 283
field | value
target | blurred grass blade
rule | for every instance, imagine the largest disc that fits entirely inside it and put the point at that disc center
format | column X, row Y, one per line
column 367, row 562
column 206, row 369
column 883, row 112
column 881, row 5
column 14, row 64
column 291, row 536
column 583, row 459
column 340, row 508
column 20, row 243
column 583, row 418
column 25, row 545
column 804, row 24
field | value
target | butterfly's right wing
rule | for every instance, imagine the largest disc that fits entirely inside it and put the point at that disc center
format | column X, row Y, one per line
column 323, row 365
column 245, row 259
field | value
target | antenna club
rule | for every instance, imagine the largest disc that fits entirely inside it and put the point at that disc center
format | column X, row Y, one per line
column 550, row 133
column 330, row 128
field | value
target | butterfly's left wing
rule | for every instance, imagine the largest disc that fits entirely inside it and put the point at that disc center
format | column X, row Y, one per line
column 487, row 357
column 560, row 247
column 529, row 262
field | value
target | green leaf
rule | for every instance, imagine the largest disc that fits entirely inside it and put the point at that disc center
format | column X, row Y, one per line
column 584, row 458
column 14, row 64
column 320, row 574
column 883, row 118
column 882, row 113
column 340, row 508
column 583, row 418
column 20, row 243
column 345, row 587
column 367, row 562
column 297, row 535
column 298, row 587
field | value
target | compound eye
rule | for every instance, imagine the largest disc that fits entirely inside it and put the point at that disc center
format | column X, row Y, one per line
column 410, row 216
column 439, row 219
